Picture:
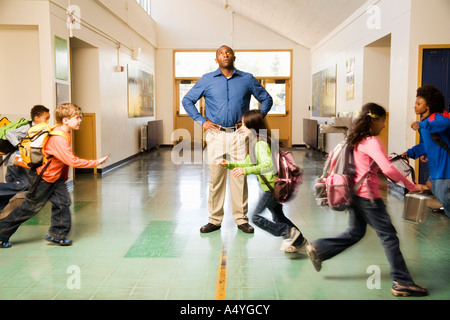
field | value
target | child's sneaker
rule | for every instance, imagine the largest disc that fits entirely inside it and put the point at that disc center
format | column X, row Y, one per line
column 4, row 243
column 293, row 235
column 60, row 241
column 414, row 290
column 297, row 247
column 317, row 263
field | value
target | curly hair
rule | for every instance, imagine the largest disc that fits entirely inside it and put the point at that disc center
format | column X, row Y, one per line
column 67, row 110
column 361, row 128
column 38, row 110
column 434, row 98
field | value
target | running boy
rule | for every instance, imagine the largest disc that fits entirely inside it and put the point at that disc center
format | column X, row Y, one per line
column 259, row 161
column 52, row 186
column 17, row 178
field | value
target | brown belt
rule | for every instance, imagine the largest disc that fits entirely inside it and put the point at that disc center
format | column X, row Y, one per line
column 231, row 129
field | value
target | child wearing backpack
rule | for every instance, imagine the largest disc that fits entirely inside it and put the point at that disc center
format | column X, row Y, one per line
column 362, row 211
column 254, row 125
column 52, row 186
column 434, row 128
column 17, row 178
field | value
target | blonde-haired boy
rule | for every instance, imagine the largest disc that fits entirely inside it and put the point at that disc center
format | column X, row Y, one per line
column 52, row 186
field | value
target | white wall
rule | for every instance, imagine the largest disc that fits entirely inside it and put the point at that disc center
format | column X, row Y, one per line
column 350, row 39
column 411, row 23
column 104, row 24
column 202, row 24
column 25, row 75
column 376, row 77
column 25, row 15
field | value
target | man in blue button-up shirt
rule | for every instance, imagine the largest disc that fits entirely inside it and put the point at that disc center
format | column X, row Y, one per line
column 227, row 92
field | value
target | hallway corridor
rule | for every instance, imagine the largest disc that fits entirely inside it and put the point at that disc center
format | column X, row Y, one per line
column 136, row 236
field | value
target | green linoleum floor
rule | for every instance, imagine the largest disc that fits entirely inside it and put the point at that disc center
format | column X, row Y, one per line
column 136, row 236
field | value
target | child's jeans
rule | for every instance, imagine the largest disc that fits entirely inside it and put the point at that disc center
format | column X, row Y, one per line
column 281, row 225
column 441, row 189
column 59, row 197
column 361, row 214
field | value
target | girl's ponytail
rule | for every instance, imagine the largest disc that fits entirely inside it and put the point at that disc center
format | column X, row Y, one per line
column 361, row 128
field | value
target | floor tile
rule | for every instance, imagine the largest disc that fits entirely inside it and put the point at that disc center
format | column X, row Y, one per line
column 136, row 237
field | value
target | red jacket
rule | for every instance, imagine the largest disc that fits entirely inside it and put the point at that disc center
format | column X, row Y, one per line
column 63, row 158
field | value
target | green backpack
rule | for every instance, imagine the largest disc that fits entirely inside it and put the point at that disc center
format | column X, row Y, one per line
column 6, row 147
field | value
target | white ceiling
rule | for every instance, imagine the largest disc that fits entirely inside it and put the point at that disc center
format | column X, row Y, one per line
column 305, row 22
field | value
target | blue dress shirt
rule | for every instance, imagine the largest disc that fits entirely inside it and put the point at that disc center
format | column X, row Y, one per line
column 226, row 99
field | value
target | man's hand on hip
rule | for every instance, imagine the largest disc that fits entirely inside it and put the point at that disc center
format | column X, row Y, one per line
column 209, row 125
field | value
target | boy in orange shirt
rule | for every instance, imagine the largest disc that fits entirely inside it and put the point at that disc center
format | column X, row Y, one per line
column 52, row 186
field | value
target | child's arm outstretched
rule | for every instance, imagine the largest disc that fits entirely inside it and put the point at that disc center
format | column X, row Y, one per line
column 264, row 163
column 236, row 171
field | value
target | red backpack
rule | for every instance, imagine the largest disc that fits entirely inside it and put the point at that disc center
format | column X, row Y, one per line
column 290, row 177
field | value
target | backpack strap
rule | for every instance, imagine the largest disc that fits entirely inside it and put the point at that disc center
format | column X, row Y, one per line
column 267, row 183
column 441, row 143
column 49, row 160
column 58, row 133
column 364, row 177
column 39, row 177
column 371, row 167
column 7, row 156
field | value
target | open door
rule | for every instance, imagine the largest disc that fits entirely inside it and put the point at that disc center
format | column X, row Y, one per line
column 84, row 139
column 434, row 69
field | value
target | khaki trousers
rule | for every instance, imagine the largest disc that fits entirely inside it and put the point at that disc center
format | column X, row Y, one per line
column 231, row 146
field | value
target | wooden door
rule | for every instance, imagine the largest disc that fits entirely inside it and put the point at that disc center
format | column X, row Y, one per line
column 85, row 144
column 185, row 127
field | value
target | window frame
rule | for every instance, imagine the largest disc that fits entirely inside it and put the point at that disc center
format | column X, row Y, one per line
column 262, row 79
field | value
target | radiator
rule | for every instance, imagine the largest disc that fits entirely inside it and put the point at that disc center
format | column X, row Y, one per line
column 154, row 134
column 144, row 144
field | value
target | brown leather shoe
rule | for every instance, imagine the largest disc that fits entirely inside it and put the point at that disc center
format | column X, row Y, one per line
column 245, row 227
column 209, row 227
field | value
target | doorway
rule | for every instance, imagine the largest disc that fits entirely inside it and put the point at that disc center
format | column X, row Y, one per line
column 434, row 69
column 182, row 121
column 376, row 80
column 84, row 64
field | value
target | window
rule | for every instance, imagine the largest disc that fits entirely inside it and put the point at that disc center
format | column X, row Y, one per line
column 146, row 4
column 194, row 64
column 264, row 63
column 271, row 68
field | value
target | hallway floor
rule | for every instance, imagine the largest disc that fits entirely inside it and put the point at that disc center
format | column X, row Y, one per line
column 136, row 236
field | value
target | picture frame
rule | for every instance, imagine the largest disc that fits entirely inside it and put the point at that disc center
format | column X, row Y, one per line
column 324, row 93
column 141, row 93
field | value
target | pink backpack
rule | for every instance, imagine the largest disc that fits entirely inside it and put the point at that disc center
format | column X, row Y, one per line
column 290, row 177
column 336, row 185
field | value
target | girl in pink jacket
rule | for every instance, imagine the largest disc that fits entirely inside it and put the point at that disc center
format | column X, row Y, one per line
column 367, row 207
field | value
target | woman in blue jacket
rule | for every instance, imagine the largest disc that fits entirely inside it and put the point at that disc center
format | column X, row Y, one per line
column 435, row 122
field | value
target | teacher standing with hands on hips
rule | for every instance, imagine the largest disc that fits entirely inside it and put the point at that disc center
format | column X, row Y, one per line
column 227, row 92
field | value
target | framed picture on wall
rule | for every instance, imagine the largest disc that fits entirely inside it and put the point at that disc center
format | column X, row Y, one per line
column 141, row 94
column 324, row 93
column 350, row 79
